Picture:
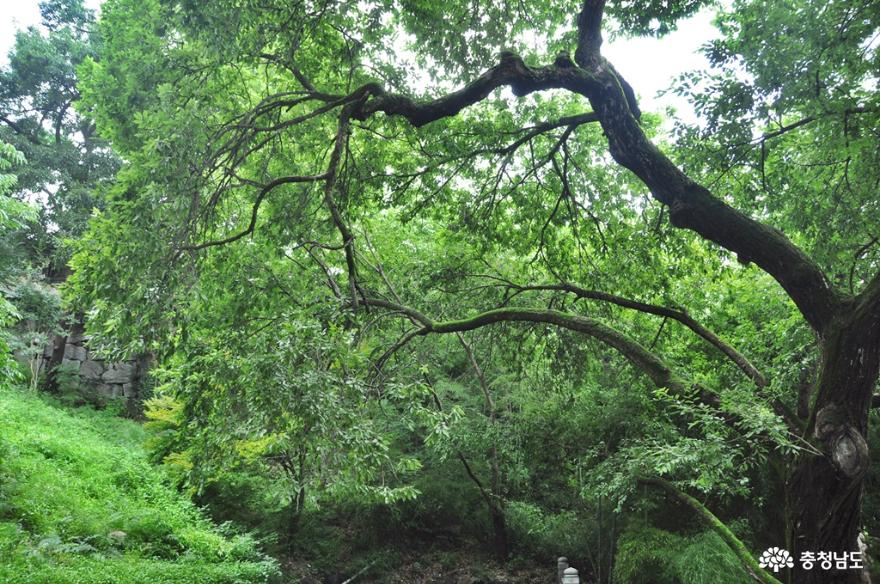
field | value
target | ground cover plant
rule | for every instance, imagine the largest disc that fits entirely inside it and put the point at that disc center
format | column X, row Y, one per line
column 80, row 503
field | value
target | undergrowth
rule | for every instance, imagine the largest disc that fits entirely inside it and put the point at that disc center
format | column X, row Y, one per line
column 79, row 503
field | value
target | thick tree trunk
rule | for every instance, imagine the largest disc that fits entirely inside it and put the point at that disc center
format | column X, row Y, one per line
column 496, row 513
column 823, row 516
column 824, row 493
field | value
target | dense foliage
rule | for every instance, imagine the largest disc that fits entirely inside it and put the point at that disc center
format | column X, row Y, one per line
column 420, row 273
column 67, row 161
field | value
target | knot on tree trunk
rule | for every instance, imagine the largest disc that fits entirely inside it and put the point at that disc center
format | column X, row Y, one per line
column 511, row 64
column 846, row 445
column 681, row 212
column 849, row 452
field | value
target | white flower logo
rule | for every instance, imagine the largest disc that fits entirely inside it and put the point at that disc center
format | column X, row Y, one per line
column 775, row 558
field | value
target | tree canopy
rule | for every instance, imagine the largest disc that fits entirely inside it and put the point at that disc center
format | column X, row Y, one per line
column 367, row 238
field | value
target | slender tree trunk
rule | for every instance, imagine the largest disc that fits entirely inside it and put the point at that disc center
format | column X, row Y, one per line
column 293, row 521
column 499, row 529
column 496, row 509
column 824, row 493
column 493, row 497
column 297, row 472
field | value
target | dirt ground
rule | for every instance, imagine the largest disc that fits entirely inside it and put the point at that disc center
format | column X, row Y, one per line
column 436, row 568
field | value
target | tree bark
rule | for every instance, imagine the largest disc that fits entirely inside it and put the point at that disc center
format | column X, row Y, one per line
column 824, row 493
column 499, row 530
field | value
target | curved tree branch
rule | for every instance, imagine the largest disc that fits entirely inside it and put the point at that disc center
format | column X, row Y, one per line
column 265, row 190
column 402, row 342
column 675, row 314
column 643, row 359
column 511, row 71
column 659, row 372
column 20, row 131
column 693, row 207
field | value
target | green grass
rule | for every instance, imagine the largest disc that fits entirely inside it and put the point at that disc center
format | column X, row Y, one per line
column 80, row 503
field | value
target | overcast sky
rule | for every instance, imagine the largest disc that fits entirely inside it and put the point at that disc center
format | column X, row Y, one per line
column 648, row 64
column 16, row 14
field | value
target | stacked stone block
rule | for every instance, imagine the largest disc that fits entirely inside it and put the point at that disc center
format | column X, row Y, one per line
column 110, row 379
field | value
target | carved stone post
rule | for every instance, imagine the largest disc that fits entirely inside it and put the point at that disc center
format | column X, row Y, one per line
column 570, row 576
column 561, row 565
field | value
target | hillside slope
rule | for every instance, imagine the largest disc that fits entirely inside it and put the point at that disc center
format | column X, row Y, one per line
column 80, row 504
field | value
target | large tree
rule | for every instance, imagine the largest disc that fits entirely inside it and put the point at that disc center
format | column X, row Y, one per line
column 67, row 161
column 38, row 115
column 293, row 127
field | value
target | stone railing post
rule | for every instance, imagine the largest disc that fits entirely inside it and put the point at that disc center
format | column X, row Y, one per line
column 561, row 565
column 570, row 576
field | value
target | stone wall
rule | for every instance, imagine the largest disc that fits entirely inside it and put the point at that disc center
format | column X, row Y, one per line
column 111, row 379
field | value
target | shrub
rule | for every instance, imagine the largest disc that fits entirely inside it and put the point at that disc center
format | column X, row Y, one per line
column 541, row 535
column 646, row 555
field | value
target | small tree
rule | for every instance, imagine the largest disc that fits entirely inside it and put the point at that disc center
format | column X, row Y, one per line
column 39, row 310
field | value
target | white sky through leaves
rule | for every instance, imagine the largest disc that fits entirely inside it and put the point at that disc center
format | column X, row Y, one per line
column 650, row 65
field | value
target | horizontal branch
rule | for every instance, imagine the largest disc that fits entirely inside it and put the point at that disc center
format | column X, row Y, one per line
column 809, row 119
column 635, row 353
column 20, row 131
column 564, row 122
column 411, row 313
column 510, row 72
column 785, row 129
column 643, row 359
